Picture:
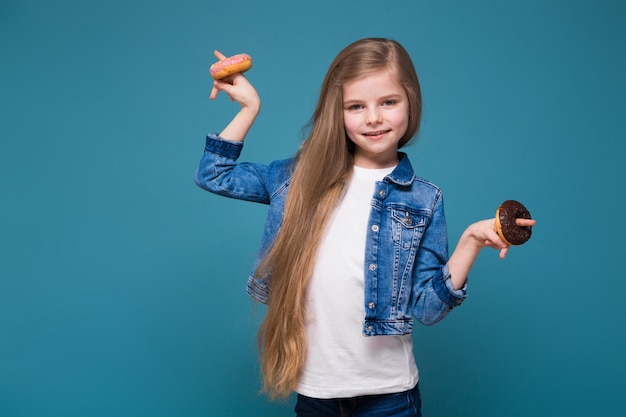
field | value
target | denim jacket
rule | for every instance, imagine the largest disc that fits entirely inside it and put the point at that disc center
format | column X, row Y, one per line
column 406, row 255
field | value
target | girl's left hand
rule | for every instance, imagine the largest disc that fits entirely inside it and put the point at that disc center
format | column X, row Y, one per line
column 485, row 231
column 477, row 236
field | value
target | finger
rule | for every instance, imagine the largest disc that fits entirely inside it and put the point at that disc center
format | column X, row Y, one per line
column 221, row 86
column 525, row 222
column 503, row 252
column 496, row 244
column 219, row 55
column 214, row 92
column 218, row 86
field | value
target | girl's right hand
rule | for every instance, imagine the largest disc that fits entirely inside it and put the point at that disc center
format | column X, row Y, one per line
column 237, row 87
column 240, row 90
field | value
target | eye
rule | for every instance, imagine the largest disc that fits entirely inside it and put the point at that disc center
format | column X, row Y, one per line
column 354, row 107
column 389, row 102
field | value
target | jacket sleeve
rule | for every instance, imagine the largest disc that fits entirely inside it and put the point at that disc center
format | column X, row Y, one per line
column 219, row 172
column 433, row 292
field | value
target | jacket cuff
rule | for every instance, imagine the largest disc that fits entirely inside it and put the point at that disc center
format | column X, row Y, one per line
column 445, row 290
column 220, row 146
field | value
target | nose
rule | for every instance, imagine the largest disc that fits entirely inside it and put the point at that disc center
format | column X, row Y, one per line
column 373, row 116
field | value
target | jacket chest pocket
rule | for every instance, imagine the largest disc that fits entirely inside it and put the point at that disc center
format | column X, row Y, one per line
column 407, row 227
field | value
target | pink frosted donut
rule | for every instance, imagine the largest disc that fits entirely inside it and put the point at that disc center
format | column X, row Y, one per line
column 225, row 67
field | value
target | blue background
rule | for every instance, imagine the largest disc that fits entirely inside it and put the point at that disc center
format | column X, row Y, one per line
column 122, row 283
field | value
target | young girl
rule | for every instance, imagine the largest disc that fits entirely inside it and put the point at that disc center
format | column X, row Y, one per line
column 355, row 245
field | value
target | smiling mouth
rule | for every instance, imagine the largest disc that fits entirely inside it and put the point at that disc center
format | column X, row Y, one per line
column 377, row 133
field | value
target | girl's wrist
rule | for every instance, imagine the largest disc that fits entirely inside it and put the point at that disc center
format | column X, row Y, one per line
column 252, row 109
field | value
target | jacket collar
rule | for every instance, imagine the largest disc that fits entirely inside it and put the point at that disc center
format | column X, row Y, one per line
column 403, row 174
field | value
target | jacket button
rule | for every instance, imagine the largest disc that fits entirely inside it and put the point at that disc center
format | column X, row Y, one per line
column 371, row 305
column 370, row 328
column 375, row 228
column 381, row 193
column 372, row 267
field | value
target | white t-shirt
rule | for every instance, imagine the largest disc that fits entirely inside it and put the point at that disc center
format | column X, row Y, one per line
column 341, row 362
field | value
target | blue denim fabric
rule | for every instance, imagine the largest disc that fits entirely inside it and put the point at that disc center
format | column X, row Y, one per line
column 406, row 272
column 403, row 404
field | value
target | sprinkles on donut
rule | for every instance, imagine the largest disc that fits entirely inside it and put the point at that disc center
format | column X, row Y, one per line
column 231, row 65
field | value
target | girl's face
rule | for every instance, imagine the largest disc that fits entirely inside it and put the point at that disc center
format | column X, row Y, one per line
column 376, row 116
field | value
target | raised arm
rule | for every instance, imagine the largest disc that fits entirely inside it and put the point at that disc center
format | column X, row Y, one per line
column 240, row 90
column 477, row 236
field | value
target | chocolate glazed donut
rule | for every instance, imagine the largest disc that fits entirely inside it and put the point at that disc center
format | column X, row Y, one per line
column 510, row 232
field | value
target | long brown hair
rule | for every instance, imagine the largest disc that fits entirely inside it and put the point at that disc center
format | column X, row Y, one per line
column 324, row 162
